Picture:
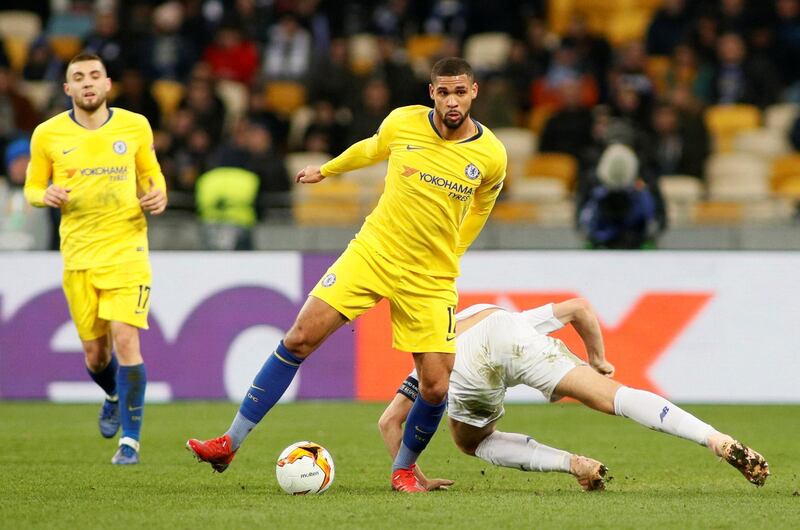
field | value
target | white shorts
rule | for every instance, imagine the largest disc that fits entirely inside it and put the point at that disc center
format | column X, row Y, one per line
column 503, row 350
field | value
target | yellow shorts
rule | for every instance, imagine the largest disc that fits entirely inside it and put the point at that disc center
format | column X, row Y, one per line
column 422, row 307
column 97, row 296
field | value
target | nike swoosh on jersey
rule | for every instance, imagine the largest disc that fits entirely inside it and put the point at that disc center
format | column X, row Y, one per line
column 68, row 151
column 413, row 148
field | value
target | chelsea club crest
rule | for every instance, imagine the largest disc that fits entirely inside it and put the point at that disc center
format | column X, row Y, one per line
column 120, row 148
column 472, row 172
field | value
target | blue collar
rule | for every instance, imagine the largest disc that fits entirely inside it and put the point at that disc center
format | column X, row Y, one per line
column 72, row 116
column 472, row 138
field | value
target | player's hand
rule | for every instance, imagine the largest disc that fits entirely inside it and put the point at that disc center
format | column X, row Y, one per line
column 56, row 196
column 309, row 175
column 603, row 367
column 154, row 201
column 431, row 484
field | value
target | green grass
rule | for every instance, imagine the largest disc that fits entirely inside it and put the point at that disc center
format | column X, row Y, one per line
column 55, row 473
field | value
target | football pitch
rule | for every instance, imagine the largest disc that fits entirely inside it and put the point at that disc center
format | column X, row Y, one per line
column 55, row 473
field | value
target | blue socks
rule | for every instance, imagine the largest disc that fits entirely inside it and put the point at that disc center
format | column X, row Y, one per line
column 132, row 381
column 107, row 377
column 268, row 386
column 421, row 424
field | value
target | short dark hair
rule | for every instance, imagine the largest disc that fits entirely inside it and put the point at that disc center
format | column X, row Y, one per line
column 451, row 66
column 85, row 56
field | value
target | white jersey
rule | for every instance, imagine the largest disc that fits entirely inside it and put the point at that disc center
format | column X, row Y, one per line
column 502, row 350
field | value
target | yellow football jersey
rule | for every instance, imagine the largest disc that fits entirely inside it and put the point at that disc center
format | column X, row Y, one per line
column 102, row 223
column 438, row 193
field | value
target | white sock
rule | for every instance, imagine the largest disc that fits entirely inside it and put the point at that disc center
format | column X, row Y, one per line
column 509, row 449
column 657, row 413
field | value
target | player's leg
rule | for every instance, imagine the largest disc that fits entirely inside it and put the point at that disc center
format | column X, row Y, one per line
column 519, row 451
column 423, row 321
column 315, row 322
column 658, row 413
column 83, row 301
column 132, row 383
column 348, row 289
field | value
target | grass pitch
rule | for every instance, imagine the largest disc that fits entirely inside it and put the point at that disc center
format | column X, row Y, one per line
column 55, row 473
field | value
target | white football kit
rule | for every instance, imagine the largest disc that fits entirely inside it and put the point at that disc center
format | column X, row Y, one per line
column 504, row 349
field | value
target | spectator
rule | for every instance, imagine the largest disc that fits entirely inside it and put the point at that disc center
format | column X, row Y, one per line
column 17, row 114
column 73, row 18
column 394, row 18
column 165, row 53
column 288, row 51
column 564, row 68
column 42, row 64
column 107, row 42
column 787, row 44
column 276, row 124
column 374, row 107
column 593, row 52
column 331, row 78
column 569, row 129
column 673, row 151
column 620, row 212
column 668, row 27
column 202, row 100
column 703, row 36
column 22, row 227
column 134, row 95
column 231, row 56
column 393, row 67
column 736, row 79
column 326, row 134
column 447, row 17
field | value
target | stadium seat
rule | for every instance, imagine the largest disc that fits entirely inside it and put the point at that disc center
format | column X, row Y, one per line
column 297, row 161
column 737, row 177
column 24, row 25
column 767, row 143
column 538, row 117
column 783, row 168
column 284, row 97
column 772, row 210
column 363, row 50
column 298, row 125
column 681, row 188
column 487, row 52
column 789, row 187
column 657, row 67
column 725, row 121
column 513, row 211
column 423, row 46
column 539, row 189
column 554, row 165
column 333, row 202
column 780, row 116
column 234, row 96
column 717, row 212
column 17, row 52
column 65, row 47
column 168, row 94
column 520, row 145
column 38, row 92
column 626, row 25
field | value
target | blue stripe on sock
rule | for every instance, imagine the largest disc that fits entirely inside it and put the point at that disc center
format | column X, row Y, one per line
column 132, row 382
column 107, row 377
column 270, row 383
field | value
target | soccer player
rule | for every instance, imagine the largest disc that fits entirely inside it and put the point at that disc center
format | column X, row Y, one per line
column 497, row 349
column 445, row 172
column 97, row 165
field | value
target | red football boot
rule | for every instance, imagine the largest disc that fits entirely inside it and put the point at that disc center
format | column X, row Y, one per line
column 218, row 452
column 406, row 481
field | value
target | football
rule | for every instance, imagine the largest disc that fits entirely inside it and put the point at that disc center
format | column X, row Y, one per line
column 304, row 468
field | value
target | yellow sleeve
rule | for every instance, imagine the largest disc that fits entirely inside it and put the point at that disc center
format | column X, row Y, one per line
column 40, row 169
column 481, row 207
column 364, row 153
column 147, row 166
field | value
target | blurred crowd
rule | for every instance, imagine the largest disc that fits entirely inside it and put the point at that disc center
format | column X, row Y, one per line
column 258, row 79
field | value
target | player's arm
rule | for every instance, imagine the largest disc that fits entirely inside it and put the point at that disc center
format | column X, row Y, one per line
column 481, row 207
column 391, row 423
column 579, row 313
column 361, row 154
column 150, row 183
column 38, row 190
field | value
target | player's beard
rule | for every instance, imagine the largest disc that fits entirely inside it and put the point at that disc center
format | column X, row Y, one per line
column 90, row 107
column 454, row 124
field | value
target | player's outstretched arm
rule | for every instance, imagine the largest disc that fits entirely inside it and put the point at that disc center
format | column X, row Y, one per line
column 309, row 175
column 579, row 313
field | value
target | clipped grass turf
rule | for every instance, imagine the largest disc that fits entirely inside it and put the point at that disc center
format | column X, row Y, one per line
column 55, row 473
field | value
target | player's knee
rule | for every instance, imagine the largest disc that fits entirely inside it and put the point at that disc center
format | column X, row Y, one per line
column 299, row 342
column 434, row 391
column 96, row 355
